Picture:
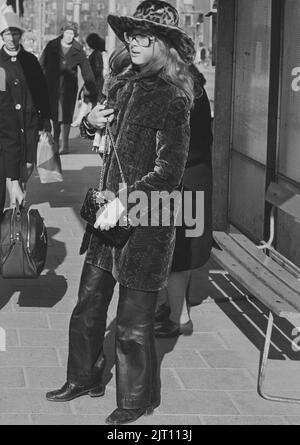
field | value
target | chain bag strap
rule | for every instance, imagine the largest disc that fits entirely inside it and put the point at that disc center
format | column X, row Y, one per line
column 94, row 201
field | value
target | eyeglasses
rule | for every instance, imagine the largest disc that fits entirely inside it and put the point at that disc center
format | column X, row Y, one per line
column 141, row 39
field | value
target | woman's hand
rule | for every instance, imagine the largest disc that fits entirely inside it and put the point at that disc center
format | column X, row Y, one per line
column 108, row 218
column 17, row 194
column 99, row 116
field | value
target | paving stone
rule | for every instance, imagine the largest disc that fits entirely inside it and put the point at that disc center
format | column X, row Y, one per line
column 28, row 357
column 45, row 337
column 244, row 420
column 15, row 419
column 196, row 341
column 159, row 419
column 52, row 419
column 59, row 321
column 235, row 339
column 12, row 378
column 29, row 401
column 196, row 402
column 63, row 356
column 181, row 358
column 23, row 321
column 45, row 378
column 279, row 371
column 217, row 379
column 293, row 420
column 205, row 323
column 12, row 339
column 250, row 403
column 223, row 359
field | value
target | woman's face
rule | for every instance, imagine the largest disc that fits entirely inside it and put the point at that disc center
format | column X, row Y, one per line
column 68, row 36
column 142, row 48
column 11, row 38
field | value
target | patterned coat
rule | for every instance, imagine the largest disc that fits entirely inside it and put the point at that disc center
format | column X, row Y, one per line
column 152, row 133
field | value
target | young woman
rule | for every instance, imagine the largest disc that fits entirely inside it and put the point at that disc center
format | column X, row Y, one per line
column 24, row 106
column 97, row 46
column 60, row 61
column 150, row 110
column 173, row 317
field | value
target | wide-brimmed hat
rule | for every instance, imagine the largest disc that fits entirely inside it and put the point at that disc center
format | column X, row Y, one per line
column 9, row 19
column 158, row 18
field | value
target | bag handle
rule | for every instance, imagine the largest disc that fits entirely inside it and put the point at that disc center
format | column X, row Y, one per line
column 109, row 139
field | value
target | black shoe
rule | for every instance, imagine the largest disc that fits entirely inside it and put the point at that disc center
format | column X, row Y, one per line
column 71, row 391
column 169, row 329
column 122, row 416
column 162, row 313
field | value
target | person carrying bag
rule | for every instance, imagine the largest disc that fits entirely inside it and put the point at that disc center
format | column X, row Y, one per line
column 150, row 110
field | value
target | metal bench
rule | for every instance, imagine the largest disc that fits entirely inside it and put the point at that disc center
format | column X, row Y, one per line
column 265, row 273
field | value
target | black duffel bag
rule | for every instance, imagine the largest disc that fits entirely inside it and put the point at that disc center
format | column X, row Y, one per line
column 23, row 243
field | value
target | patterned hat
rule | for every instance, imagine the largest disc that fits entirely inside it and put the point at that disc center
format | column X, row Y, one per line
column 160, row 19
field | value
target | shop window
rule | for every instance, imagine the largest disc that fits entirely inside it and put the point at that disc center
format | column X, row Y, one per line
column 289, row 152
column 250, row 116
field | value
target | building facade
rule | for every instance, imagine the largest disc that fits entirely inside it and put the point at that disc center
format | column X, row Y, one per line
column 257, row 116
column 43, row 18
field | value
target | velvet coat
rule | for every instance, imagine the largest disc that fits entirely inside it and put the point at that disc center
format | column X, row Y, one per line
column 20, row 122
column 153, row 133
column 63, row 82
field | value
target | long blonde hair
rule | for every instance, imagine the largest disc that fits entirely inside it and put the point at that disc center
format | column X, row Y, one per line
column 175, row 70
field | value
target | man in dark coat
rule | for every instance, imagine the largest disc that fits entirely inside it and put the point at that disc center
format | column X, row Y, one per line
column 60, row 61
column 24, row 107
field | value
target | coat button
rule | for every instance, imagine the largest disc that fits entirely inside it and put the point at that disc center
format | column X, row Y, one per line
column 18, row 107
column 16, row 82
column 13, row 59
column 22, row 130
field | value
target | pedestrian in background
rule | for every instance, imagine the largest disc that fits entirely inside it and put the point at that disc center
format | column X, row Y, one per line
column 24, row 107
column 151, row 101
column 173, row 316
column 60, row 61
column 96, row 45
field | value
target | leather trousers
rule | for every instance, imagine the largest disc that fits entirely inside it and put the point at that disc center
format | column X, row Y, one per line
column 136, row 362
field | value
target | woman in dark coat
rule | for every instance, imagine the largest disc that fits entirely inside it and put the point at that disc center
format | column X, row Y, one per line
column 24, row 104
column 97, row 45
column 151, row 102
column 173, row 319
column 60, row 61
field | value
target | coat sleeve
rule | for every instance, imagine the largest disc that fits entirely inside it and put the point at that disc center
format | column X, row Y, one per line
column 172, row 149
column 44, row 102
column 90, row 90
column 12, row 160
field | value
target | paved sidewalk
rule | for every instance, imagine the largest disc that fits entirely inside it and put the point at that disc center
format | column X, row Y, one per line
column 209, row 378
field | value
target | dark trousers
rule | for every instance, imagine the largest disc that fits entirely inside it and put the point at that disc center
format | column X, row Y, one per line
column 136, row 362
column 60, row 128
column 2, row 195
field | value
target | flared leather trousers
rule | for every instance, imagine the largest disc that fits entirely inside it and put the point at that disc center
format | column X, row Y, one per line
column 136, row 363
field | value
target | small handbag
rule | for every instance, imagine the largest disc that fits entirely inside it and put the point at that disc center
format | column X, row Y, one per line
column 95, row 200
